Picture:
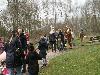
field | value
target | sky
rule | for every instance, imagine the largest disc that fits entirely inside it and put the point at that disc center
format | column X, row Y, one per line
column 3, row 3
column 79, row 2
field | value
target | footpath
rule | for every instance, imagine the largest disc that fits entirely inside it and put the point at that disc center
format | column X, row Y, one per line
column 50, row 55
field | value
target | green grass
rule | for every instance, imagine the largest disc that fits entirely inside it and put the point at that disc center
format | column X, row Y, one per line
column 84, row 60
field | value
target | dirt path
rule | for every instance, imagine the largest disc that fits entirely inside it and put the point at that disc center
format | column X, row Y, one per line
column 50, row 55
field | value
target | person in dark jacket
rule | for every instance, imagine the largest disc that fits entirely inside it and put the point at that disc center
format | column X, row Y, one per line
column 13, row 56
column 32, row 60
column 61, row 37
column 56, row 34
column 43, row 46
column 23, row 41
column 47, row 40
column 81, row 35
column 52, row 39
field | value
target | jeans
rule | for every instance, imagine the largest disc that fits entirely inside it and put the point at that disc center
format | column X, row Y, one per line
column 53, row 45
column 24, row 65
column 11, row 71
column 18, row 70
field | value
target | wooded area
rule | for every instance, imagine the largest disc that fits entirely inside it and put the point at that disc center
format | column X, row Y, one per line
column 27, row 14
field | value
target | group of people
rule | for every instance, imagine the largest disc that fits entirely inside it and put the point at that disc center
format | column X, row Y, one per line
column 63, row 38
column 16, row 48
column 59, row 39
column 20, row 52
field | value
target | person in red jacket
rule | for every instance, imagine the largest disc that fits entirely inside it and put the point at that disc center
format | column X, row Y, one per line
column 27, row 37
column 68, row 35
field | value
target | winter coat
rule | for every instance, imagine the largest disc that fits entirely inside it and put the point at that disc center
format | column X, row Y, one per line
column 52, row 37
column 12, row 59
column 61, row 36
column 43, row 46
column 32, row 61
column 82, row 34
column 69, row 37
column 23, row 41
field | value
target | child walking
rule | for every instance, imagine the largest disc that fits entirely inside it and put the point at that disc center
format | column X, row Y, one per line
column 32, row 60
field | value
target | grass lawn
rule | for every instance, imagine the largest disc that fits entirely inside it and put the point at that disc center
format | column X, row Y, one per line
column 83, row 60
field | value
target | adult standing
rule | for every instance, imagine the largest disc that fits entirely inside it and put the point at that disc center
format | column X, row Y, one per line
column 73, row 37
column 65, row 35
column 81, row 35
column 47, row 40
column 13, row 56
column 52, row 39
column 68, row 35
column 61, row 36
column 56, row 34
column 23, row 41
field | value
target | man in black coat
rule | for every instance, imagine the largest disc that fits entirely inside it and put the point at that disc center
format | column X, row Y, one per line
column 23, row 42
column 61, row 36
column 13, row 56
column 52, row 39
